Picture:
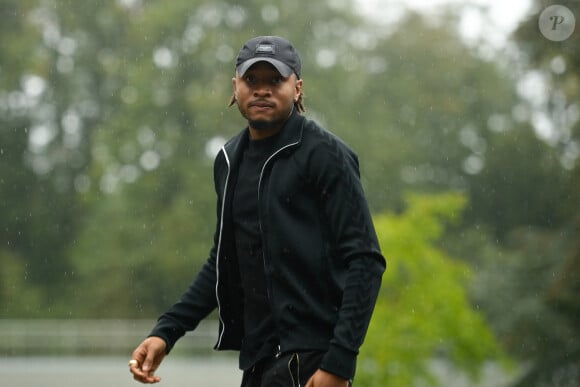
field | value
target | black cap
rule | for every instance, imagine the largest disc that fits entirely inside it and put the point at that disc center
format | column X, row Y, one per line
column 272, row 49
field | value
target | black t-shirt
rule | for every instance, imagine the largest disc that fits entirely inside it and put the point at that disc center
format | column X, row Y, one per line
column 260, row 338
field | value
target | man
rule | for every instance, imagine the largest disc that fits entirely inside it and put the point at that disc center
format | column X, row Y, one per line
column 295, row 268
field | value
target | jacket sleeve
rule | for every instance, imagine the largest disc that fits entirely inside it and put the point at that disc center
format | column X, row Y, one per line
column 336, row 175
column 362, row 284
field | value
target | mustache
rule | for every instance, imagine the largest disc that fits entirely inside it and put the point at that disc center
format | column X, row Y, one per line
column 261, row 102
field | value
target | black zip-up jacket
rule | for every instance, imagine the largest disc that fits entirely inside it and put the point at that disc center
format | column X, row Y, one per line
column 322, row 259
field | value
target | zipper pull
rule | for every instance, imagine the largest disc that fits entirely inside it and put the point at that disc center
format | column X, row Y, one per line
column 277, row 355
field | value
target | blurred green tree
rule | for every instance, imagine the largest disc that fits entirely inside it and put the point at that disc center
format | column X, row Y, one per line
column 38, row 213
column 536, row 278
column 424, row 315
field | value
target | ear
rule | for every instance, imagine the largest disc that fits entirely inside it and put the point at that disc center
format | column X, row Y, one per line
column 234, row 80
column 297, row 89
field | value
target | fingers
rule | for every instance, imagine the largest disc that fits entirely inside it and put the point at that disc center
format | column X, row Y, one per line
column 322, row 378
column 146, row 359
column 142, row 375
column 310, row 382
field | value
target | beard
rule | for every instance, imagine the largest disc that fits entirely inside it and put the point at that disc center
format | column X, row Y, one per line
column 263, row 125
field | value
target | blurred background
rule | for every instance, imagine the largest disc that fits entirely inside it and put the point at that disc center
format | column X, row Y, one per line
column 466, row 120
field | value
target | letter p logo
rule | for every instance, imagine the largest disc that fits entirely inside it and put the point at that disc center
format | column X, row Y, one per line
column 557, row 20
column 556, row 23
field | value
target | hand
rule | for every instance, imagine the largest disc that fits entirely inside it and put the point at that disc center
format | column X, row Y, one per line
column 322, row 378
column 149, row 356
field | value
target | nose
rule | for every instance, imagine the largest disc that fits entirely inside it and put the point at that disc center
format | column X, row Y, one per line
column 262, row 89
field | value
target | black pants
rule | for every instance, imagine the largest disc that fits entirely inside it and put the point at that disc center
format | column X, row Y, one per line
column 291, row 369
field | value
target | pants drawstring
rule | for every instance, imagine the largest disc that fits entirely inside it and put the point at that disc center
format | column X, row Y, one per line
column 295, row 383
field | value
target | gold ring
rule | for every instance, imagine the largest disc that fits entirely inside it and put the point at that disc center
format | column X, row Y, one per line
column 133, row 362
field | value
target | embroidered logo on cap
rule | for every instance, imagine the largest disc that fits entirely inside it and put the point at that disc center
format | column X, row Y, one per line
column 265, row 48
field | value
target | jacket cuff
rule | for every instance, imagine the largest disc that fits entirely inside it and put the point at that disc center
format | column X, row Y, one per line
column 169, row 334
column 340, row 362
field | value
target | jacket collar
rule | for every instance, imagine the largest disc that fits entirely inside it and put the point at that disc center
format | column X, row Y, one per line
column 290, row 134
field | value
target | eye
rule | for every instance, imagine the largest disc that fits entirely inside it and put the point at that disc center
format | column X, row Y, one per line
column 277, row 80
column 250, row 79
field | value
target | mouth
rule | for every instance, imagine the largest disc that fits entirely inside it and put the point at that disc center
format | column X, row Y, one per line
column 261, row 104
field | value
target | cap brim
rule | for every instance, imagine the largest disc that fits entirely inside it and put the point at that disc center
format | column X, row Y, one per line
column 282, row 68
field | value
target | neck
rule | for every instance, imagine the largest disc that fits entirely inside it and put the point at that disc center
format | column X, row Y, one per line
column 262, row 133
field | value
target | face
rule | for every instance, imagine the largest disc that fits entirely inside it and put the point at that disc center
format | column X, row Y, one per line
column 265, row 98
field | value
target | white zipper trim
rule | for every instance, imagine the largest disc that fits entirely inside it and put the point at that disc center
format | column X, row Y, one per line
column 264, row 167
column 219, row 250
column 222, row 225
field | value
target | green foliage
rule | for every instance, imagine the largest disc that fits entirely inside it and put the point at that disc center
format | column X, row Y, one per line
column 506, row 193
column 146, row 246
column 542, row 276
column 527, row 288
column 423, row 312
column 21, row 297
